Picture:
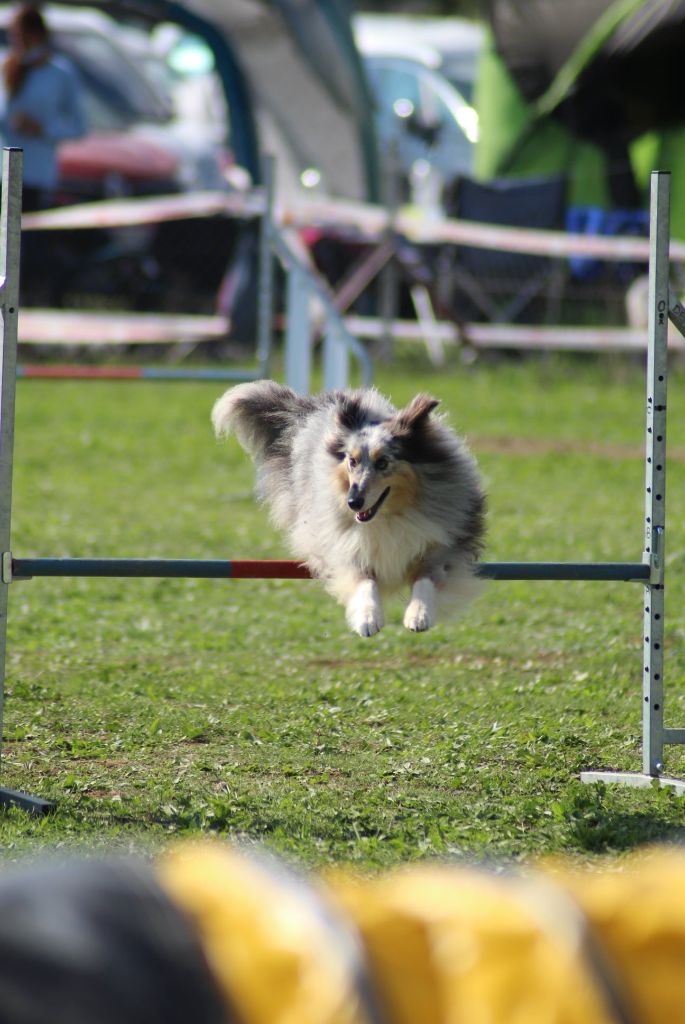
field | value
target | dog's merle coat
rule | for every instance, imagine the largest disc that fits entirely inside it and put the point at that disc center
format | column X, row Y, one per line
column 372, row 498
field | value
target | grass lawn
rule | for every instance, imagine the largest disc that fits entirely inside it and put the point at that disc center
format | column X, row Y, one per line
column 149, row 709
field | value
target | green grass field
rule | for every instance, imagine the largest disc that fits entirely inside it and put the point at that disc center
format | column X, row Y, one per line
column 151, row 709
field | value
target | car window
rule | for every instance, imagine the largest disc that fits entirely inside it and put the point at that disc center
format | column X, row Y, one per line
column 424, row 115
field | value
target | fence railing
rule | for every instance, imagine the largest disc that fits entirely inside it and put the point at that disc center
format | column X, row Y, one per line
column 313, row 310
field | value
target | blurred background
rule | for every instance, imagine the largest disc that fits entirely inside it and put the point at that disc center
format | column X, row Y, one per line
column 514, row 114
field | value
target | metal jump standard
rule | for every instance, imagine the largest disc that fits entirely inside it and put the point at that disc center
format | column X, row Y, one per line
column 649, row 571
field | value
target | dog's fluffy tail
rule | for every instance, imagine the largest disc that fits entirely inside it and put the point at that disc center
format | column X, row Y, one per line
column 259, row 414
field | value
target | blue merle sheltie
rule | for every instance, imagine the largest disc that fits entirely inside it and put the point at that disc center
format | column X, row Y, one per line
column 374, row 499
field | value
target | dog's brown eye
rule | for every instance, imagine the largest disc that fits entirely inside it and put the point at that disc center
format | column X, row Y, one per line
column 353, row 462
column 382, row 464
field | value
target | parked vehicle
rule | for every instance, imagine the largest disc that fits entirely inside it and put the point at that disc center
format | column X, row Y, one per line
column 459, row 43
column 133, row 145
column 425, row 123
column 293, row 86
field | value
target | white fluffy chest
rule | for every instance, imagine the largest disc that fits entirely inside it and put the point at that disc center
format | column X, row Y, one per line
column 384, row 548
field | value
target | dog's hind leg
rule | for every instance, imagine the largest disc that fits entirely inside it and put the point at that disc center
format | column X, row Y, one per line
column 364, row 610
column 421, row 611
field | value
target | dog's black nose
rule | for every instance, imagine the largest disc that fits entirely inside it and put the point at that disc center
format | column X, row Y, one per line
column 354, row 499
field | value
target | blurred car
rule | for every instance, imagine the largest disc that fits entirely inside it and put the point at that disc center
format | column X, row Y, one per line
column 459, row 42
column 106, row 165
column 181, row 68
column 424, row 121
column 133, row 145
column 455, row 44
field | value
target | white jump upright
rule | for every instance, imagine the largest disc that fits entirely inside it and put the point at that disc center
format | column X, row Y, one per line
column 10, row 248
column 662, row 306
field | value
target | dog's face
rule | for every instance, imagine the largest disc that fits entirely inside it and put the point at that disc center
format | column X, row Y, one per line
column 374, row 472
column 371, row 472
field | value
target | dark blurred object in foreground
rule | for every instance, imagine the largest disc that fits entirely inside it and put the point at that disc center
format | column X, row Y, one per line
column 215, row 935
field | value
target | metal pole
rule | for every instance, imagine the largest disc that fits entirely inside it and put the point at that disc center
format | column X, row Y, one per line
column 654, row 735
column 336, row 358
column 128, row 373
column 10, row 235
column 655, row 477
column 298, row 344
column 389, row 279
column 265, row 290
column 10, row 247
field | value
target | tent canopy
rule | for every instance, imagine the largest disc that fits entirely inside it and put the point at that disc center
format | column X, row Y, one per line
column 292, row 77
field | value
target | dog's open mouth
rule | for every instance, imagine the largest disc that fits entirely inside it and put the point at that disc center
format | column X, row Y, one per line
column 367, row 515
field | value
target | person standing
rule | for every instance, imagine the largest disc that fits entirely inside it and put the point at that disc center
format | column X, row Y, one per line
column 42, row 104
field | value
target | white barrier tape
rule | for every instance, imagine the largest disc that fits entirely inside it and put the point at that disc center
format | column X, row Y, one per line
column 372, row 221
column 519, row 336
column 530, row 241
column 64, row 327
column 114, row 213
column 362, row 220
column 340, row 215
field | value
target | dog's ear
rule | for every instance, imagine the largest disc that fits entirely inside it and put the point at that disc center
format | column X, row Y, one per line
column 414, row 415
column 350, row 412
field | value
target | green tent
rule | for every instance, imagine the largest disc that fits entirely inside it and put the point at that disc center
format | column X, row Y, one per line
column 591, row 89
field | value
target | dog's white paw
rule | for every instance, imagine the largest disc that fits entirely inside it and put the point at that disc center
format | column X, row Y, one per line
column 366, row 622
column 420, row 614
column 418, row 617
column 364, row 610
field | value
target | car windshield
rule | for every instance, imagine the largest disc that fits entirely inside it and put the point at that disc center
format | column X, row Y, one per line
column 422, row 112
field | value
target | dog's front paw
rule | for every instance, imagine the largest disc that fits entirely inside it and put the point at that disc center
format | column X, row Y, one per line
column 421, row 610
column 418, row 617
column 365, row 611
column 366, row 620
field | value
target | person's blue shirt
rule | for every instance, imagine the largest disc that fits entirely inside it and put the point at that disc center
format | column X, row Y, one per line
column 50, row 94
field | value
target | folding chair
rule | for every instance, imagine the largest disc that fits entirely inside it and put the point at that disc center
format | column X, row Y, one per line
column 504, row 287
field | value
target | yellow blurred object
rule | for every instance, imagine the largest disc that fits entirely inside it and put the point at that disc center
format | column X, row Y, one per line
column 440, row 944
column 459, row 946
column 278, row 955
column 638, row 916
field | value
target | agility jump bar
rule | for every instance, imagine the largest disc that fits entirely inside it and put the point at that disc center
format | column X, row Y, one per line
column 237, row 569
